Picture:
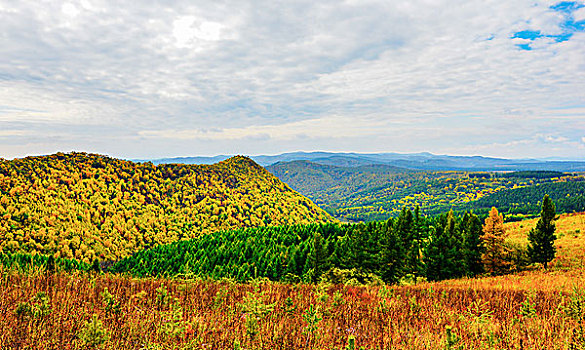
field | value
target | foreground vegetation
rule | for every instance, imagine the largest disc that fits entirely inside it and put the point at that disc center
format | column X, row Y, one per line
column 47, row 308
column 537, row 310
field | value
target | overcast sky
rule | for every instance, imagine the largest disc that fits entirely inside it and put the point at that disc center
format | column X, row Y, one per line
column 149, row 79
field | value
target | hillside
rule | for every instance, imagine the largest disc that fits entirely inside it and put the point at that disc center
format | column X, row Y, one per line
column 569, row 196
column 328, row 183
column 87, row 206
column 281, row 252
column 378, row 191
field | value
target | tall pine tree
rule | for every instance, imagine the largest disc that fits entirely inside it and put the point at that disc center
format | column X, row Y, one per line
column 541, row 248
column 472, row 244
column 443, row 257
column 391, row 255
column 318, row 257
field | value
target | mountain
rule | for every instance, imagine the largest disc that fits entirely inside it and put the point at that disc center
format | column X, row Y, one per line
column 378, row 191
column 416, row 161
column 87, row 206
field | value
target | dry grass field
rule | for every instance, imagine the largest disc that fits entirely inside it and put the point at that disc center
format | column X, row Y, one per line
column 535, row 309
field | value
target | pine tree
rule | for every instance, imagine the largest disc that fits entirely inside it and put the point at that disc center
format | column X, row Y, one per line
column 494, row 235
column 443, row 254
column 415, row 259
column 472, row 244
column 391, row 256
column 363, row 248
column 318, row 257
column 405, row 228
column 95, row 266
column 50, row 264
column 541, row 248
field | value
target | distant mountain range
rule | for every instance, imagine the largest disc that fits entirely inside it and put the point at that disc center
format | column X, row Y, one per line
column 414, row 161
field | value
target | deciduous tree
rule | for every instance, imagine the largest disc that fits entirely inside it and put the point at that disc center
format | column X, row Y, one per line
column 494, row 235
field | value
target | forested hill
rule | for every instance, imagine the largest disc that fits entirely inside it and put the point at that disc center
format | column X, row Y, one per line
column 87, row 206
column 326, row 184
column 379, row 191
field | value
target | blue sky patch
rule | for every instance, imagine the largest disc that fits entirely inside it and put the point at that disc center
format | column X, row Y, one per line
column 568, row 26
column 567, row 7
column 525, row 47
column 528, row 34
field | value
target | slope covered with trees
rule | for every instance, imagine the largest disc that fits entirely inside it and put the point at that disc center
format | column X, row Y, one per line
column 87, row 206
column 569, row 196
column 437, row 248
column 376, row 192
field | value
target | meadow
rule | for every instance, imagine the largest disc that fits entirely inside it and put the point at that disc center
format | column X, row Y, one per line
column 68, row 311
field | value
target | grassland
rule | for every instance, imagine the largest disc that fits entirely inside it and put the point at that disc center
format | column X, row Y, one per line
column 531, row 310
column 570, row 243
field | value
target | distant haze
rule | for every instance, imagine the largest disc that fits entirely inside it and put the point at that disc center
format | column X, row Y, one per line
column 411, row 161
column 156, row 79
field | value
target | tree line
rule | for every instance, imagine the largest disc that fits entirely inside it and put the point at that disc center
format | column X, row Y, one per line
column 410, row 246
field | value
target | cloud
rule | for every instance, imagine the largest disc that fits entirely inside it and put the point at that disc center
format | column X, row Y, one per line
column 355, row 75
column 336, row 127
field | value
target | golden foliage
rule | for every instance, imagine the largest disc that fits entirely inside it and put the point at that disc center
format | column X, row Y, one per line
column 87, row 206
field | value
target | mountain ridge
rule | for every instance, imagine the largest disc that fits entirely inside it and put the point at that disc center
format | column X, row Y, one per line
column 415, row 161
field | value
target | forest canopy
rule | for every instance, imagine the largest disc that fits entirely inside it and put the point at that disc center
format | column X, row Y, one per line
column 88, row 206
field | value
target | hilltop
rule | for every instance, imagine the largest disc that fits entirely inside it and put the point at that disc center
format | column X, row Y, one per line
column 87, row 206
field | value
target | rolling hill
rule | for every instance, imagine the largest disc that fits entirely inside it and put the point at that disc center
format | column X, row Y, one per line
column 415, row 161
column 88, row 206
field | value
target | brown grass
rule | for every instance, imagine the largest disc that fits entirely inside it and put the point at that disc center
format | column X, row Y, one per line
column 483, row 313
column 570, row 243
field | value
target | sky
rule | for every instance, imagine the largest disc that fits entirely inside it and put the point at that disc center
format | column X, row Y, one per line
column 151, row 79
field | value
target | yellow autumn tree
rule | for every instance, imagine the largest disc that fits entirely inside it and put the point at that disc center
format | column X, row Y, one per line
column 493, row 238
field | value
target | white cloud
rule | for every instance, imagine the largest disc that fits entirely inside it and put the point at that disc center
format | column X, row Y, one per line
column 379, row 75
column 336, row 127
column 189, row 30
column 579, row 15
column 69, row 9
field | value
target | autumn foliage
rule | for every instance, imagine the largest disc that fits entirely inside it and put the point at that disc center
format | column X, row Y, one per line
column 72, row 311
column 493, row 238
column 87, row 206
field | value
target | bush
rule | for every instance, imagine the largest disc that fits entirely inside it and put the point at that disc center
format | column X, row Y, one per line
column 93, row 333
column 353, row 277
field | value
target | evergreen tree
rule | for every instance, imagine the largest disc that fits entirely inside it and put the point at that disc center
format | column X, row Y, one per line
column 51, row 264
column 405, row 230
column 95, row 266
column 363, row 248
column 472, row 244
column 443, row 254
column 414, row 255
column 318, row 257
column 494, row 235
column 541, row 248
column 391, row 256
